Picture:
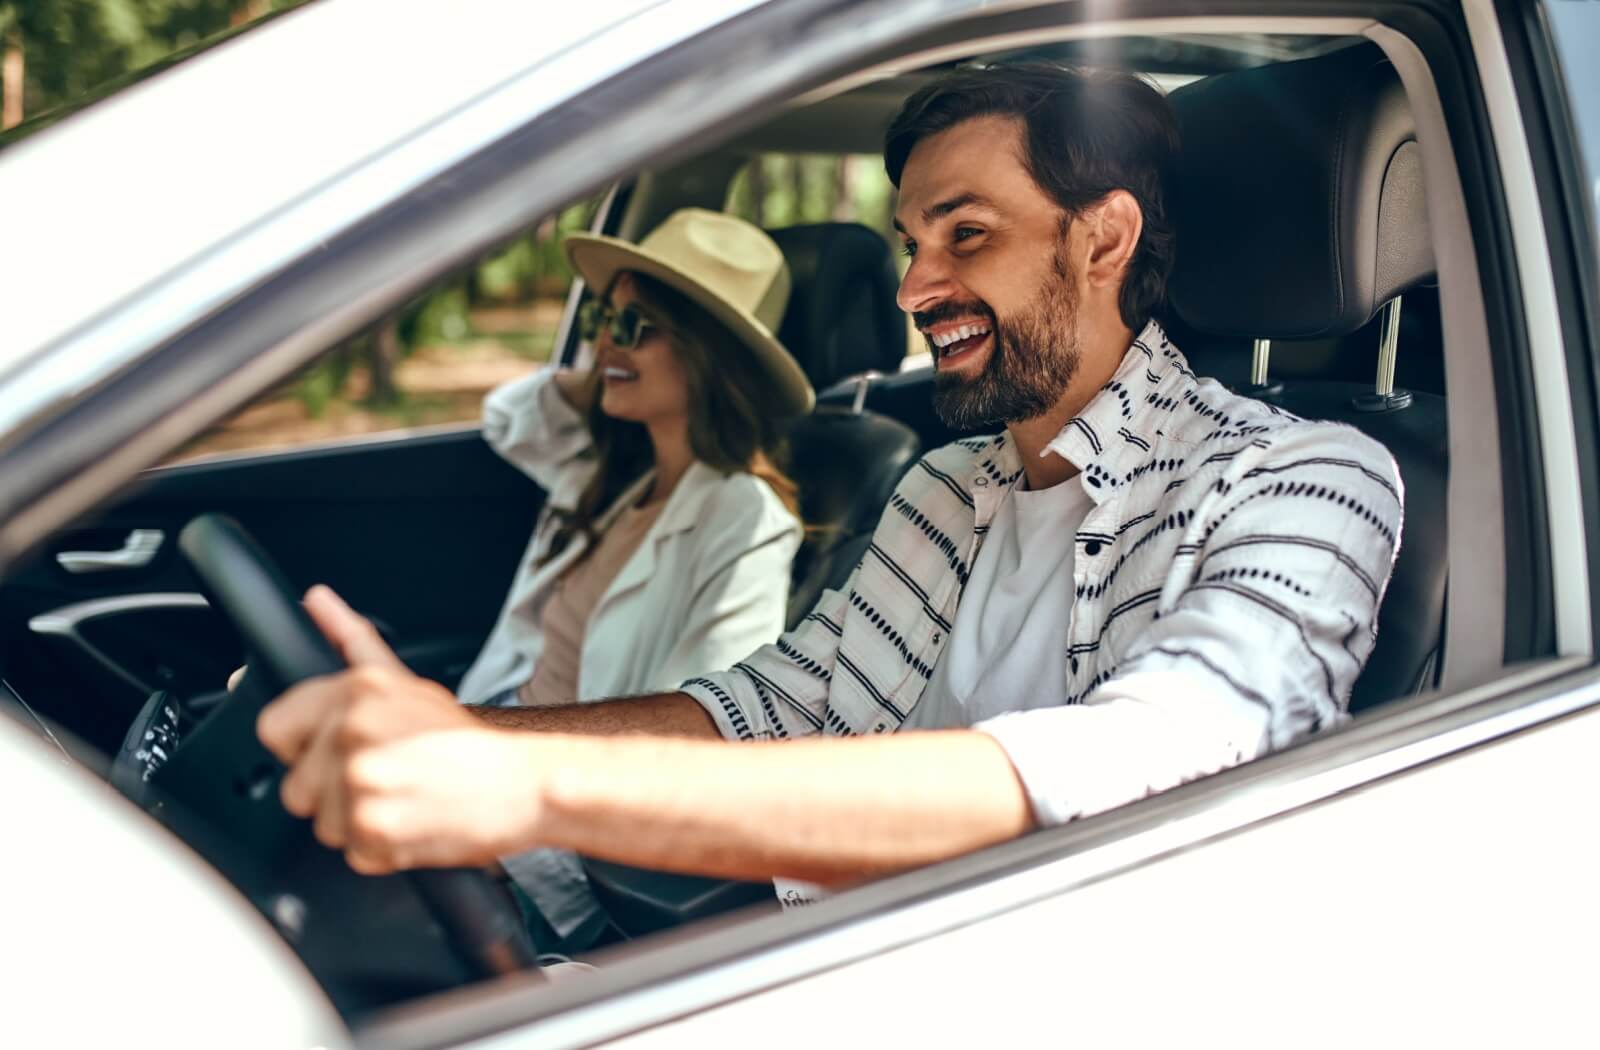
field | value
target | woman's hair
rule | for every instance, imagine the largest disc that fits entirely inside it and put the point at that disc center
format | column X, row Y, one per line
column 729, row 428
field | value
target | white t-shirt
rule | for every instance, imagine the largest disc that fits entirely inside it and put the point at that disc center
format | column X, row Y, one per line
column 1015, row 609
column 1016, row 606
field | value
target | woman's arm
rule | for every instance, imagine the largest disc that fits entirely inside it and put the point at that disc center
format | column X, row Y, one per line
column 537, row 423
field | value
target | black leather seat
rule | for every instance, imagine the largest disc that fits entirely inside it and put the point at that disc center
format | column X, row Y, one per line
column 1300, row 214
column 842, row 321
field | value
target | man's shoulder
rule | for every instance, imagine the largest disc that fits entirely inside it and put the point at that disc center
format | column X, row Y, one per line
column 1223, row 420
column 954, row 463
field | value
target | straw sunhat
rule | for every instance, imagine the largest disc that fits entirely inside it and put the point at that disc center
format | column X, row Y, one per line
column 728, row 267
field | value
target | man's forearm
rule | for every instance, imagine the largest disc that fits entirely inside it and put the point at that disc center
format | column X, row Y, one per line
column 663, row 714
column 825, row 810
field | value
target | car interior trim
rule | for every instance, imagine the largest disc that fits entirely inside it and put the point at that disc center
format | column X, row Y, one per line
column 424, row 432
column 1474, row 619
column 69, row 618
column 1171, row 25
column 1557, row 433
column 67, row 622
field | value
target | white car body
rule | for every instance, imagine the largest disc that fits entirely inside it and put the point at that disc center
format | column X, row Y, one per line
column 1430, row 880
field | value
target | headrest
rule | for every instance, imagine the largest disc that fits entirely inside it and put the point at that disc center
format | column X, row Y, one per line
column 1300, row 203
column 842, row 317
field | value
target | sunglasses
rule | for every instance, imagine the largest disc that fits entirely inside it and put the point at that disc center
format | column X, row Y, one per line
column 628, row 326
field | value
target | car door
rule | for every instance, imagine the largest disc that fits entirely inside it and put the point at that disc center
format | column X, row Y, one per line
column 420, row 531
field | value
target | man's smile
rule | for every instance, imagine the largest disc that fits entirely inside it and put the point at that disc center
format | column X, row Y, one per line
column 954, row 343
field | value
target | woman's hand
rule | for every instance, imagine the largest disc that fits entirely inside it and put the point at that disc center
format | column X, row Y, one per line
column 390, row 768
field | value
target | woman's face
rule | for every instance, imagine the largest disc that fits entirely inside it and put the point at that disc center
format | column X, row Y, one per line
column 645, row 384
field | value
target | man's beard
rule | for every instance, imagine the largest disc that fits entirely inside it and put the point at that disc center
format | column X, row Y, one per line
column 1032, row 360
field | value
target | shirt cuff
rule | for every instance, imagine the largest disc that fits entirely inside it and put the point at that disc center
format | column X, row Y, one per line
column 1132, row 737
column 716, row 694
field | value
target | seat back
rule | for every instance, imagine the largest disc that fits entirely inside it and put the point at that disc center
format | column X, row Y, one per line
column 1300, row 214
column 847, row 464
column 842, row 321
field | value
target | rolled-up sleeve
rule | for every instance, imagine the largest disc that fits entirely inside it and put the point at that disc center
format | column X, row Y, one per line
column 1259, row 647
column 533, row 428
column 781, row 689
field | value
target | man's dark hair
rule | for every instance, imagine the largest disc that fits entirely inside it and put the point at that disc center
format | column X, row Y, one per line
column 1087, row 132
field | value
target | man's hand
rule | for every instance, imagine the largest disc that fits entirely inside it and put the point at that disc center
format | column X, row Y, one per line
column 389, row 766
column 398, row 775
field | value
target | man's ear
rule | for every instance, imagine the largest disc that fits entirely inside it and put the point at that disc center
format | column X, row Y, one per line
column 1112, row 227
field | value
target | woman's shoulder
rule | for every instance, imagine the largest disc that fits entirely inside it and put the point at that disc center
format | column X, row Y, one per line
column 739, row 498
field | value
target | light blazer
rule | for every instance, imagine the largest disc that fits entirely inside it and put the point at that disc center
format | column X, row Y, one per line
column 708, row 585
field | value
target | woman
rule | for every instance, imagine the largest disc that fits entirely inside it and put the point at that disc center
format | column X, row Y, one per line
column 664, row 548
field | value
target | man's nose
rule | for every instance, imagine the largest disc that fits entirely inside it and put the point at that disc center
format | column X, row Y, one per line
column 927, row 281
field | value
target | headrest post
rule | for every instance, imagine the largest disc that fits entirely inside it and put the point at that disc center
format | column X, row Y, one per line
column 863, row 383
column 1385, row 397
column 1258, row 362
column 1388, row 343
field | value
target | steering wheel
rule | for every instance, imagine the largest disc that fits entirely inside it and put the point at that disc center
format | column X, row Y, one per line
column 478, row 919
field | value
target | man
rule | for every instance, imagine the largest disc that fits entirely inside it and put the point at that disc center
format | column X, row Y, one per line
column 1143, row 579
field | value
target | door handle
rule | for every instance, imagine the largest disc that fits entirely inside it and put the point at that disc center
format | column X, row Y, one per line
column 137, row 551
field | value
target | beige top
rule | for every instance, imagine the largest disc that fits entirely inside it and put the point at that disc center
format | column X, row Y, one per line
column 566, row 613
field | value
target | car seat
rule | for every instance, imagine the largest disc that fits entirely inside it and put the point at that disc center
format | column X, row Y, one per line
column 1301, row 215
column 842, row 321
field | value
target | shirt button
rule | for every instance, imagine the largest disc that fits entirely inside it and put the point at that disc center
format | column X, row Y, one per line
column 980, row 481
column 1092, row 548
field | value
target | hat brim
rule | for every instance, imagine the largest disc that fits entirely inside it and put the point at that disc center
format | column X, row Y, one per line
column 598, row 259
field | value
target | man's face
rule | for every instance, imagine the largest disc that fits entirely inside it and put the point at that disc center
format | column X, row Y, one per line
column 990, row 286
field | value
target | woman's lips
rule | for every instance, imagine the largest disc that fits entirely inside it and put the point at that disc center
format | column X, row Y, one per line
column 613, row 374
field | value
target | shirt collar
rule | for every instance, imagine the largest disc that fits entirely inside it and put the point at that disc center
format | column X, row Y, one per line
column 1116, row 430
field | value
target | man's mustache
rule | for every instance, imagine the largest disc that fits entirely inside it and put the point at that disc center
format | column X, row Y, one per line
column 923, row 319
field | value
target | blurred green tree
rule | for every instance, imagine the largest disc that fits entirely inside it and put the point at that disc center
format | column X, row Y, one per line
column 56, row 53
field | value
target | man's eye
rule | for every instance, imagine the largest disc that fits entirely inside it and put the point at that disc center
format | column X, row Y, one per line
column 964, row 232
column 908, row 248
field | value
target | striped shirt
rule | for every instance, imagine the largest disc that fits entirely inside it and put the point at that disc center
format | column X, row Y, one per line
column 1226, row 584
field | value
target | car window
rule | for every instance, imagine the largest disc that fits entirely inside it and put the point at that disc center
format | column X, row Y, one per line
column 775, row 190
column 428, row 363
column 783, row 189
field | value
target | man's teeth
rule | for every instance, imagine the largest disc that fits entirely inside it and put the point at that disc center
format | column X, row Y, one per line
column 613, row 372
column 955, row 335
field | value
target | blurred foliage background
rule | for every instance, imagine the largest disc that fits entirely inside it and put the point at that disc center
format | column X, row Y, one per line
column 433, row 360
